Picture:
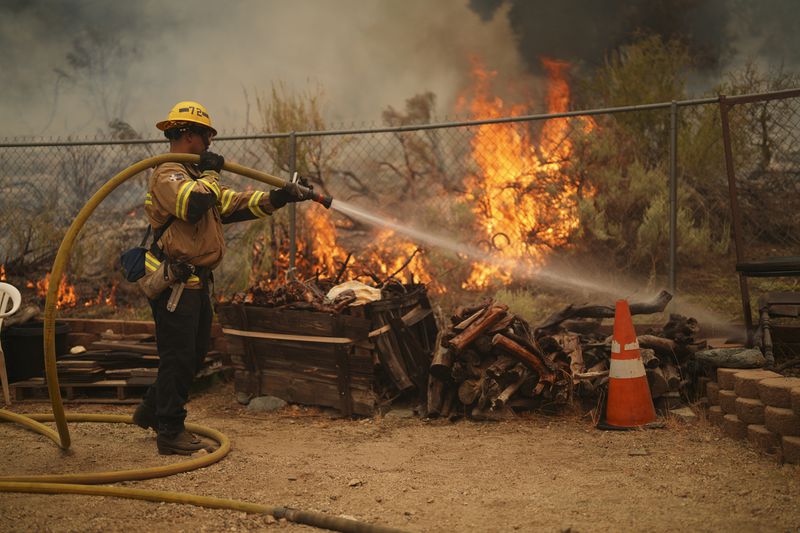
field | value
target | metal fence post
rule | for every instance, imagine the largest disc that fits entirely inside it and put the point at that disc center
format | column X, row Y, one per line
column 292, row 206
column 673, row 195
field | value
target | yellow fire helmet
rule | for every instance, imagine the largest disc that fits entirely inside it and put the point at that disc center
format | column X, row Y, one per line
column 184, row 112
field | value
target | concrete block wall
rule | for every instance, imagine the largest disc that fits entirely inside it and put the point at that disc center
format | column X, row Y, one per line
column 760, row 406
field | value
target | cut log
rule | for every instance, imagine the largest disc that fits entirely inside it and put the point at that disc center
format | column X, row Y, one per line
column 471, row 357
column 589, row 375
column 483, row 345
column 502, row 324
column 731, row 358
column 599, row 366
column 514, row 349
column 602, row 311
column 499, row 367
column 649, row 358
column 469, row 391
column 526, row 389
column 490, row 390
column 442, row 364
column 546, row 345
column 657, row 382
column 476, row 371
column 462, row 313
column 594, row 353
column 503, row 398
column 449, row 400
column 390, row 354
column 460, row 372
column 661, row 345
column 516, row 372
column 435, row 396
column 461, row 326
column 594, row 375
column 492, row 317
column 672, row 376
column 571, row 347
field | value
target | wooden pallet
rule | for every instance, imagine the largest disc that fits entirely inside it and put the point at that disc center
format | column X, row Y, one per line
column 105, row 391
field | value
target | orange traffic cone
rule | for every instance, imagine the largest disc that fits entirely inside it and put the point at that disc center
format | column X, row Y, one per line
column 629, row 402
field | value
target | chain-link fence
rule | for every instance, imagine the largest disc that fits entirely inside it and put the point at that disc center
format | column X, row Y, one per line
column 762, row 147
column 643, row 187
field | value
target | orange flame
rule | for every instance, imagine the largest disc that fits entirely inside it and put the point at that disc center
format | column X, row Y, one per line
column 320, row 251
column 110, row 300
column 2, row 273
column 525, row 204
column 67, row 296
column 66, row 292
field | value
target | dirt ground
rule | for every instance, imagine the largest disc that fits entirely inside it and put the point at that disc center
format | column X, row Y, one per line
column 536, row 473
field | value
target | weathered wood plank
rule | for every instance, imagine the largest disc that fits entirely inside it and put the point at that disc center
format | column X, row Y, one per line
column 291, row 321
column 305, row 389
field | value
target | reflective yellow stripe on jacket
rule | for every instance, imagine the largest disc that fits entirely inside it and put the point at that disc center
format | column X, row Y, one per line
column 210, row 180
column 254, row 207
column 182, row 201
column 152, row 264
column 226, row 202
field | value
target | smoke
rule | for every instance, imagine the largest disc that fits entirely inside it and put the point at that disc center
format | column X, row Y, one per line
column 365, row 56
column 71, row 66
column 719, row 33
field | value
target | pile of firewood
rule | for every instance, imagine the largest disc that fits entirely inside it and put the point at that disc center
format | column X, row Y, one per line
column 488, row 361
column 667, row 355
column 295, row 294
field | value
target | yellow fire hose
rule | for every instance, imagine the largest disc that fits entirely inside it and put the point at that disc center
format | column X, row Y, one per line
column 84, row 483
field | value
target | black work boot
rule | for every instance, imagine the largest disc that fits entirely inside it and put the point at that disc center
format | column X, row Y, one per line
column 145, row 417
column 183, row 443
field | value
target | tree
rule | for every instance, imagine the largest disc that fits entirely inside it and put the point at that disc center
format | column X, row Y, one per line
column 626, row 161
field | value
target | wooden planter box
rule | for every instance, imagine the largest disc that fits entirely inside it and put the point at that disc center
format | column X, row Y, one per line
column 341, row 361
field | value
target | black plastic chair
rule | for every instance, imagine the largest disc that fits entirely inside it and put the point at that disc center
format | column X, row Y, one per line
column 777, row 304
column 770, row 304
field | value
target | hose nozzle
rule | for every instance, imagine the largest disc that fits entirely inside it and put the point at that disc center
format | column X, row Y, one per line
column 317, row 197
column 309, row 193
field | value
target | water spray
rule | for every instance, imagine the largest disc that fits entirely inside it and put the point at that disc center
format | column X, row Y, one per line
column 475, row 253
column 557, row 276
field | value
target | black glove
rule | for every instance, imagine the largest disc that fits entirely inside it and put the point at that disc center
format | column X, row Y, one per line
column 210, row 161
column 291, row 193
column 181, row 271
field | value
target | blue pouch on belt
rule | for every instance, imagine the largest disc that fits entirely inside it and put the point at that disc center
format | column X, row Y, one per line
column 133, row 263
column 132, row 260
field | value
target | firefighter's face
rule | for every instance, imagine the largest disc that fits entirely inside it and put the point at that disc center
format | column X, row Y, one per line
column 199, row 140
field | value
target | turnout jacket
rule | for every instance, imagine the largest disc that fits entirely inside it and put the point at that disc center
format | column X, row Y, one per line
column 200, row 205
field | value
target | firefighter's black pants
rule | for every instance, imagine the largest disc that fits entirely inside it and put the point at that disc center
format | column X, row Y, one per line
column 182, row 337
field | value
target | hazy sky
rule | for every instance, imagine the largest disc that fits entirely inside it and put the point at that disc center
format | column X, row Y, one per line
column 69, row 66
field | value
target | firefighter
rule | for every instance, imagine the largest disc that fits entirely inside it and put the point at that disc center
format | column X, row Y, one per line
column 186, row 206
